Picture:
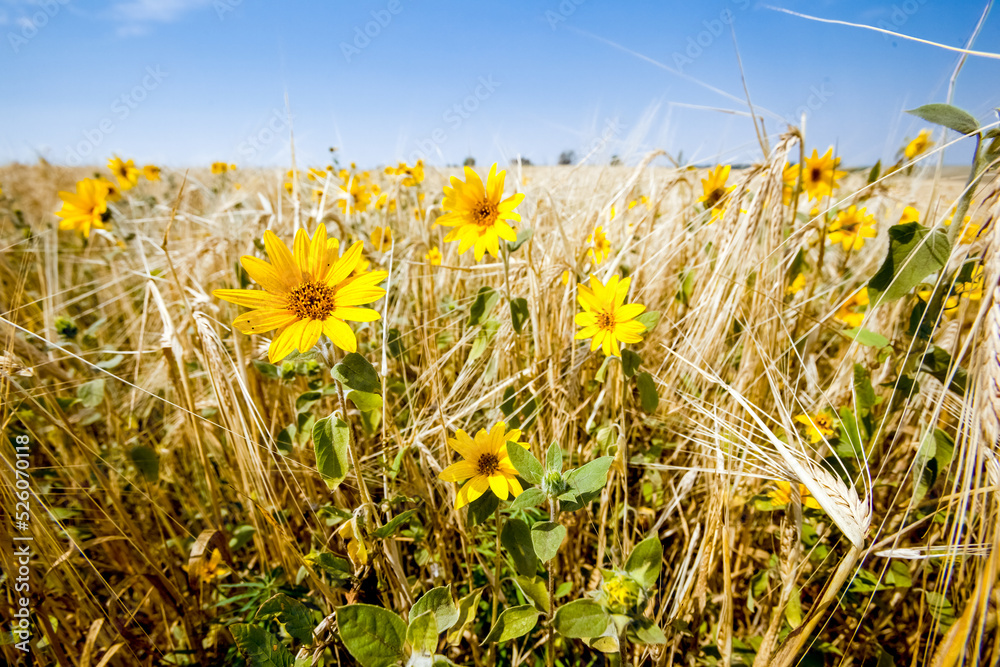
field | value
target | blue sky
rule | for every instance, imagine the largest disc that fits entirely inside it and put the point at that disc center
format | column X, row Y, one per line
column 188, row 82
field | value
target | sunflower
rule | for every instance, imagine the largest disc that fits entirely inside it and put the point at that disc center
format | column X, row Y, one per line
column 219, row 167
column 789, row 176
column 126, row 172
column 308, row 292
column 84, row 208
column 606, row 318
column 478, row 213
column 151, row 172
column 818, row 426
column 486, row 464
column 433, row 256
column 382, row 238
column 715, row 191
column 910, row 214
column 601, row 247
column 820, row 175
column 783, row 495
column 353, row 196
column 852, row 227
column 113, row 193
column 919, row 145
column 847, row 314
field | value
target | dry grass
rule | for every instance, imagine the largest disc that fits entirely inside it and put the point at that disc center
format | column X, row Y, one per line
column 120, row 573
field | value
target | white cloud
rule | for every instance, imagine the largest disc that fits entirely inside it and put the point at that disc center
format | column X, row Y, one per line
column 135, row 16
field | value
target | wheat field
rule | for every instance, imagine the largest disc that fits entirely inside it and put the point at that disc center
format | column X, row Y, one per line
column 780, row 472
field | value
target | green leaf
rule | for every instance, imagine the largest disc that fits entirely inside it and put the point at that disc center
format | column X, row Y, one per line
column 532, row 497
column 649, row 319
column 486, row 298
column 365, row 401
column 482, row 508
column 422, row 633
column 291, row 613
column 793, row 610
column 947, row 115
column 536, row 590
column 519, row 313
column 936, row 362
column 394, row 524
column 357, row 373
column 581, row 619
column 940, row 608
column 603, row 370
column 439, row 601
column 630, row 362
column 516, row 539
column 331, row 437
column 851, row 439
column 306, row 400
column 915, row 252
column 644, row 631
column 394, row 339
column 374, row 636
column 513, row 623
column 643, row 563
column 873, row 175
column 146, row 460
column 91, row 394
column 649, row 400
column 525, row 463
column 864, row 393
column 546, row 538
column 588, row 478
column 467, row 608
column 866, row 337
column 479, row 344
column 553, row 458
column 523, row 236
column 260, row 647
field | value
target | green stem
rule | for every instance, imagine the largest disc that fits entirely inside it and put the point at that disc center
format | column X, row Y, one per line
column 496, row 586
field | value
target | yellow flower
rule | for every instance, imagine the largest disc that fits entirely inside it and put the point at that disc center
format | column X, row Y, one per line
column 606, row 318
column 910, row 214
column 353, row 196
column 486, row 464
column 789, row 176
column 715, row 191
column 972, row 290
column 820, row 174
column 357, row 549
column 970, row 232
column 382, row 238
column 565, row 277
column 852, row 227
column 126, row 173
column 433, row 256
column 308, row 292
column 232, row 167
column 113, row 193
column 84, row 208
column 219, row 167
column 414, row 174
column 601, row 247
column 919, row 145
column 622, row 593
column 846, row 313
column 783, row 495
column 478, row 213
column 818, row 426
column 151, row 172
column 381, row 201
column 612, row 216
column 316, row 174
column 797, row 285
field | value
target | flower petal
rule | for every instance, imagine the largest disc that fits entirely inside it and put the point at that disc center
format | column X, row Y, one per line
column 250, row 298
column 458, row 472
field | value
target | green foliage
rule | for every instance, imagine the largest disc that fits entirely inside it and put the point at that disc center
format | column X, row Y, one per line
column 531, row 497
column 546, row 538
column 915, row 252
column 393, row 525
column 486, row 299
column 372, row 635
column 525, row 463
column 291, row 614
column 422, row 633
column 331, row 438
column 585, row 483
column 630, row 362
column 91, row 394
column 581, row 619
column 536, row 590
column 948, row 116
column 260, row 647
column 649, row 399
column 364, row 400
column 513, row 623
column 519, row 313
column 523, row 236
column 146, row 460
column 439, row 601
column 643, row 563
column 649, row 319
column 866, row 337
column 467, row 607
column 516, row 538
column 355, row 372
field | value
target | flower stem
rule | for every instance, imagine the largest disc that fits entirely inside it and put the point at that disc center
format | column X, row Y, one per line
column 496, row 586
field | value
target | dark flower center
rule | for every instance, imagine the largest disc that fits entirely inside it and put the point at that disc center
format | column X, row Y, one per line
column 485, row 213
column 816, row 175
column 605, row 320
column 312, row 301
column 488, row 464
